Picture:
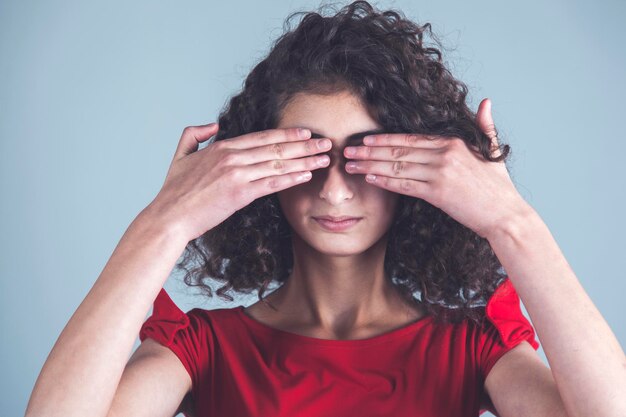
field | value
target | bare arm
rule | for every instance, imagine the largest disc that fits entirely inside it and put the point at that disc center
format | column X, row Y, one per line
column 81, row 375
column 585, row 357
column 83, row 370
column 154, row 384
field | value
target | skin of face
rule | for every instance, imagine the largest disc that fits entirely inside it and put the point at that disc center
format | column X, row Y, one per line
column 332, row 190
column 337, row 288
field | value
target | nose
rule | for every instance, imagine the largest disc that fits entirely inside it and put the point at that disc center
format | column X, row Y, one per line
column 337, row 186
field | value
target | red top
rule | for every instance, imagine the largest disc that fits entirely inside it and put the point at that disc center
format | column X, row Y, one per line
column 240, row 367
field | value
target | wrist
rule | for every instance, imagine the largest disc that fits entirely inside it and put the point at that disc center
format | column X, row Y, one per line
column 514, row 225
column 151, row 221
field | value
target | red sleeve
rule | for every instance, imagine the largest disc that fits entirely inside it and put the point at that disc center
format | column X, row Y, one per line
column 182, row 333
column 506, row 328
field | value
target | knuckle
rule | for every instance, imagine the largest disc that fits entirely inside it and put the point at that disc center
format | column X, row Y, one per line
column 286, row 134
column 230, row 158
column 292, row 133
column 456, row 142
column 398, row 152
column 406, row 185
column 397, row 167
column 262, row 135
column 278, row 165
column 448, row 157
column 272, row 183
column 312, row 163
column 309, row 146
column 189, row 130
column 411, row 139
column 277, row 149
column 217, row 145
column 236, row 174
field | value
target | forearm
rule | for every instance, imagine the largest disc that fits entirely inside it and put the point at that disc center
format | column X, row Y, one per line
column 586, row 359
column 82, row 372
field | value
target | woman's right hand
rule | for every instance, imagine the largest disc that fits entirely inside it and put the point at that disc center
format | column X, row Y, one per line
column 205, row 187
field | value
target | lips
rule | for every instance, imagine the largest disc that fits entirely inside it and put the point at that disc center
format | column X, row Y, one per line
column 337, row 224
column 336, row 219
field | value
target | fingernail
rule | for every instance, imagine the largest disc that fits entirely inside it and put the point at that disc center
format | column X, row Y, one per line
column 323, row 144
column 304, row 133
column 323, row 160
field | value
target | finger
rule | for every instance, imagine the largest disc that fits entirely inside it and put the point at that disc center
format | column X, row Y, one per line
column 410, row 187
column 268, row 137
column 282, row 151
column 273, row 184
column 405, row 139
column 397, row 169
column 277, row 167
column 392, row 153
column 192, row 137
column 485, row 122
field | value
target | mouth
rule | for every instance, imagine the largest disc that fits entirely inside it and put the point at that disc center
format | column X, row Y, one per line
column 337, row 224
column 336, row 219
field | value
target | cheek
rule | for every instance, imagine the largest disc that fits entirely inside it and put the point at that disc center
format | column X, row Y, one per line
column 378, row 197
column 293, row 201
column 382, row 205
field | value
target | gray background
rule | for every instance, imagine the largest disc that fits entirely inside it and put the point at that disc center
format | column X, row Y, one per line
column 94, row 97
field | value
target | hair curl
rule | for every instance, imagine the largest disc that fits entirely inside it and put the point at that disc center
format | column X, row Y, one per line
column 383, row 58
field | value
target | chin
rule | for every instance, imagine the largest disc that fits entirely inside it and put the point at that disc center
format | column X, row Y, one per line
column 341, row 252
column 348, row 243
column 338, row 245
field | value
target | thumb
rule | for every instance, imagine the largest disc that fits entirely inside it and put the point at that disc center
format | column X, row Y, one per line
column 192, row 137
column 485, row 122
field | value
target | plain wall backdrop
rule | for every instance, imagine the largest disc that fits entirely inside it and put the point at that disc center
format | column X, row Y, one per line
column 94, row 97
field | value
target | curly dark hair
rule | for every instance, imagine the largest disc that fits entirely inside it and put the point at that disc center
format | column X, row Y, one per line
column 383, row 58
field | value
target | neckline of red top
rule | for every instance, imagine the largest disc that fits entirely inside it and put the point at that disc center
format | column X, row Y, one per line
column 381, row 338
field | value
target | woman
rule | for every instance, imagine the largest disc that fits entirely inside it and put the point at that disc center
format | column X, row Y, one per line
column 431, row 209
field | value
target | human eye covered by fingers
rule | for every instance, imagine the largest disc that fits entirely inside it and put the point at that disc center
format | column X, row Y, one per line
column 355, row 139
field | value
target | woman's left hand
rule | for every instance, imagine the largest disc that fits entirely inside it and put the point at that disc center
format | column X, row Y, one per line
column 445, row 172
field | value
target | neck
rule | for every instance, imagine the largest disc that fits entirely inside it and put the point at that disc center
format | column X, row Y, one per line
column 332, row 293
